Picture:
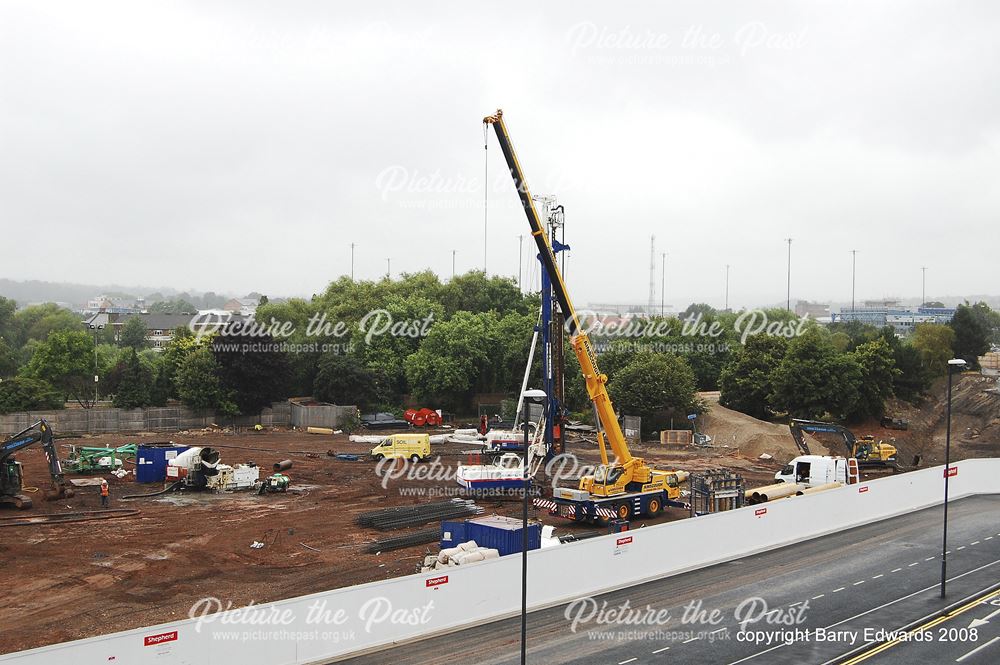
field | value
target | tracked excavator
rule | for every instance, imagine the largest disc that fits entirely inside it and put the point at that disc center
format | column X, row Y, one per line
column 622, row 486
column 11, row 477
column 869, row 452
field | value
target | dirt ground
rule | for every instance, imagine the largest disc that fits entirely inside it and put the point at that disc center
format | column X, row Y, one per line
column 77, row 580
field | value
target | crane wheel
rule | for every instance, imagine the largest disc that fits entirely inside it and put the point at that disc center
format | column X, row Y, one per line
column 653, row 508
column 415, row 458
column 623, row 511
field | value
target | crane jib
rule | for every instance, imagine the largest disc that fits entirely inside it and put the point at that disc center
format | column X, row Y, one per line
column 537, row 231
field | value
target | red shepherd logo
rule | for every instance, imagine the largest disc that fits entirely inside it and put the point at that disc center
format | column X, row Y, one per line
column 436, row 581
column 863, row 489
column 623, row 541
column 760, row 511
column 153, row 640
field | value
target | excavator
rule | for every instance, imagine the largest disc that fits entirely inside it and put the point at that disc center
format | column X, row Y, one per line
column 624, row 486
column 869, row 452
column 10, row 469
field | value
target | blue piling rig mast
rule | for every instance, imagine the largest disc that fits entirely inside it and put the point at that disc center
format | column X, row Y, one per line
column 552, row 337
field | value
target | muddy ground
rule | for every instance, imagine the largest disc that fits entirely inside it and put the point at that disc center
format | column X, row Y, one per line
column 77, row 580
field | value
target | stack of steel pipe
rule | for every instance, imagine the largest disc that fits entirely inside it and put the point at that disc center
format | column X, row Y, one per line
column 405, row 540
column 402, row 517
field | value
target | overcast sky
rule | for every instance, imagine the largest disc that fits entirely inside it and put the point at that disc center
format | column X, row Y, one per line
column 238, row 146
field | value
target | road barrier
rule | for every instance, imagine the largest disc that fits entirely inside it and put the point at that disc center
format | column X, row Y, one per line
column 324, row 626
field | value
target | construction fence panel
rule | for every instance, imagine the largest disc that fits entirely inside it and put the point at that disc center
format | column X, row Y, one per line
column 315, row 628
column 151, row 419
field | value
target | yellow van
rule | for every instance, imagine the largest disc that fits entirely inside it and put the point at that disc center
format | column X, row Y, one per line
column 414, row 447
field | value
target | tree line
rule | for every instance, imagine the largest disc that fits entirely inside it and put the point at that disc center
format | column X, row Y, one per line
column 441, row 343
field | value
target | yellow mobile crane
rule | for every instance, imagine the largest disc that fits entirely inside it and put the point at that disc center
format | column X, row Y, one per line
column 625, row 486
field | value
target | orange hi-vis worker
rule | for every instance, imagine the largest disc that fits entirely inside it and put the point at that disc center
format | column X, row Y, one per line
column 105, row 493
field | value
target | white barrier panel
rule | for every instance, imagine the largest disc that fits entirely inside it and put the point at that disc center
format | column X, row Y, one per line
column 322, row 626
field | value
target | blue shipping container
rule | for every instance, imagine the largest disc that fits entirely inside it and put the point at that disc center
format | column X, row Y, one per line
column 151, row 462
column 494, row 531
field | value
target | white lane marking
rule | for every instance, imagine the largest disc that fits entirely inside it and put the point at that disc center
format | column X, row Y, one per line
column 915, row 563
column 630, row 660
column 930, row 558
column 690, row 640
column 988, row 538
column 895, row 570
column 878, row 576
column 661, row 650
column 979, row 648
column 962, row 547
column 874, row 609
column 840, row 589
column 818, row 597
column 975, row 542
column 857, row 583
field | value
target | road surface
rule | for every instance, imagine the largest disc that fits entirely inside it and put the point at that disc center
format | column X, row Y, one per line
column 841, row 598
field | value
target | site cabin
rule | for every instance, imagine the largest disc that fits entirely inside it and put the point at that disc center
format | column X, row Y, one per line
column 581, row 506
column 414, row 447
column 813, row 470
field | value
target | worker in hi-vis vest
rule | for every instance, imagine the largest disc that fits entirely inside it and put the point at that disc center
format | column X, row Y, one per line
column 105, row 494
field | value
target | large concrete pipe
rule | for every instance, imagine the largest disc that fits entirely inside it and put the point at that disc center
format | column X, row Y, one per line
column 283, row 465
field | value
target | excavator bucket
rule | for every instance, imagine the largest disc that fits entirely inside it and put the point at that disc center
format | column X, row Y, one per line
column 58, row 492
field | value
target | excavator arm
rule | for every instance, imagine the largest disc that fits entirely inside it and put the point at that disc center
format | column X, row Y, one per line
column 39, row 431
column 582, row 346
column 798, row 426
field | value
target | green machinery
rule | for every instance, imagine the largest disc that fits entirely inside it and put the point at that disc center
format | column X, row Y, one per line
column 91, row 459
column 276, row 483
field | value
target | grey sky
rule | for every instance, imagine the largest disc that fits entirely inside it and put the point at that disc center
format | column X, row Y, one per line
column 243, row 146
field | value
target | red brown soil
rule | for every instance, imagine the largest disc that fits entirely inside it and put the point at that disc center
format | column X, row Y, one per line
column 77, row 580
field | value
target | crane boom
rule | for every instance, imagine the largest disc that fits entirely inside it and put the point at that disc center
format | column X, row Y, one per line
column 579, row 340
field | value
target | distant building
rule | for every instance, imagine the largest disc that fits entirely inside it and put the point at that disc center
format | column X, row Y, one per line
column 160, row 327
column 627, row 310
column 903, row 320
column 814, row 310
column 107, row 305
column 246, row 307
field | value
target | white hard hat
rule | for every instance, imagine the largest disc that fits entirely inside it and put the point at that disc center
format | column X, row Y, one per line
column 104, row 481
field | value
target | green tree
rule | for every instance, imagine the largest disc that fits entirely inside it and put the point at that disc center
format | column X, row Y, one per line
column 475, row 292
column 8, row 359
column 343, row 379
column 39, row 321
column 746, row 381
column 657, row 387
column 177, row 305
column 135, row 385
column 66, row 360
column 972, row 335
column 252, row 371
column 7, row 309
column 181, row 345
column 22, row 393
column 878, row 377
column 133, row 334
column 813, row 378
column 934, row 344
column 198, row 384
column 447, row 365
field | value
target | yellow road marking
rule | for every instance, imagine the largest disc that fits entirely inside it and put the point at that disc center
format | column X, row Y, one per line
column 926, row 626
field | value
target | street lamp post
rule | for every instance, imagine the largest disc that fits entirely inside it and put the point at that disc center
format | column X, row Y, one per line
column 955, row 364
column 923, row 286
column 854, row 263
column 453, row 263
column 727, row 287
column 533, row 396
column 352, row 261
column 788, row 283
column 663, row 280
